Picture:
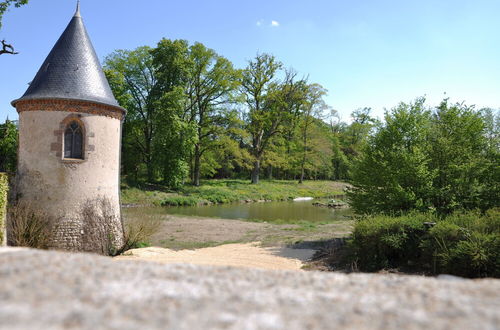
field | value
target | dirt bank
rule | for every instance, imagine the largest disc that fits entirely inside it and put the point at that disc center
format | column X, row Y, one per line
column 182, row 232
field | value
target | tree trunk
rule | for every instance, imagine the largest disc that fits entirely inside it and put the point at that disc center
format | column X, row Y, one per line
column 149, row 166
column 255, row 171
column 301, row 180
column 304, row 155
column 197, row 165
column 149, row 158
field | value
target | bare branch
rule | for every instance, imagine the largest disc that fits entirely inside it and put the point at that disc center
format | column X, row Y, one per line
column 7, row 49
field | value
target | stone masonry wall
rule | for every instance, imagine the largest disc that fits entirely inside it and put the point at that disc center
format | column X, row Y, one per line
column 63, row 188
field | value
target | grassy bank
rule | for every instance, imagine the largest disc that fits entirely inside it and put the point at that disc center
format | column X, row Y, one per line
column 228, row 191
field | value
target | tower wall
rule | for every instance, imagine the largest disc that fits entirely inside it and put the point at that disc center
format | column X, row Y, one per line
column 81, row 195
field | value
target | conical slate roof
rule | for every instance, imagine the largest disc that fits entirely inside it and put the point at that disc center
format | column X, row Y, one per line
column 72, row 70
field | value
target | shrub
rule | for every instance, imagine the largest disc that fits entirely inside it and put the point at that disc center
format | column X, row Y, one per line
column 386, row 242
column 219, row 196
column 467, row 244
column 3, row 204
column 28, row 226
column 138, row 232
column 180, row 201
column 464, row 244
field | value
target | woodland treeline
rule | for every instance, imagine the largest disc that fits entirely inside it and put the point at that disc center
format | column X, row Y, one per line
column 192, row 115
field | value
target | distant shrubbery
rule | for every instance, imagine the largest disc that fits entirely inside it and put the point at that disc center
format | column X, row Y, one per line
column 180, row 201
column 228, row 191
column 464, row 244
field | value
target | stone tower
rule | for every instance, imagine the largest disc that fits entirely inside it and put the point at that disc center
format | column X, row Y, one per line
column 69, row 146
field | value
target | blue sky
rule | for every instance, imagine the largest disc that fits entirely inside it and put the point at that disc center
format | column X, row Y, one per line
column 372, row 53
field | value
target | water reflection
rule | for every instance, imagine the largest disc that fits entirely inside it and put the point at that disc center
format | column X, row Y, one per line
column 270, row 211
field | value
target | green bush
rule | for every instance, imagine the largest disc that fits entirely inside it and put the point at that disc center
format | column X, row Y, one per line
column 219, row 195
column 180, row 201
column 463, row 244
column 4, row 187
column 467, row 244
column 387, row 242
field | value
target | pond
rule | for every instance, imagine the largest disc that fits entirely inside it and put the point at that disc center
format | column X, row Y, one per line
column 269, row 211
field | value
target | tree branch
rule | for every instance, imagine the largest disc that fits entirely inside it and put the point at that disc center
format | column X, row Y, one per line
column 7, row 49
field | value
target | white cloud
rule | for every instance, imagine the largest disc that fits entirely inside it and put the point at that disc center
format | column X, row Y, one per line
column 275, row 23
column 259, row 22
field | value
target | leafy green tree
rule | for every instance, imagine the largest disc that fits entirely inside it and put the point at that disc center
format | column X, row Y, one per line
column 356, row 134
column 174, row 142
column 177, row 129
column 8, row 147
column 133, row 80
column 420, row 159
column 458, row 155
column 312, row 107
column 212, row 81
column 320, row 151
column 4, row 6
column 271, row 104
column 490, row 194
column 392, row 174
column 263, row 124
column 228, row 158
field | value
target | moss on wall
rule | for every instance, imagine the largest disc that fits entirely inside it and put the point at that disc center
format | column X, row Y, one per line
column 4, row 187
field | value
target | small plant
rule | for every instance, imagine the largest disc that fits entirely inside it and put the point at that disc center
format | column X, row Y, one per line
column 138, row 232
column 29, row 226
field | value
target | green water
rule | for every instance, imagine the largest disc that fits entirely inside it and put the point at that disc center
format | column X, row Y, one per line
column 269, row 211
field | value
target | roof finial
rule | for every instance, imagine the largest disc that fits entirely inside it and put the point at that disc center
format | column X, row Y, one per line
column 77, row 13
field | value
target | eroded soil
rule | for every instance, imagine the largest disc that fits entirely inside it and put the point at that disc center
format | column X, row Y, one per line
column 179, row 232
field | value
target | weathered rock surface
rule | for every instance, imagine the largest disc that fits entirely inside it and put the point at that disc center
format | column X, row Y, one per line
column 40, row 290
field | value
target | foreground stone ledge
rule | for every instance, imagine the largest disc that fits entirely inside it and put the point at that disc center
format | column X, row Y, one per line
column 40, row 289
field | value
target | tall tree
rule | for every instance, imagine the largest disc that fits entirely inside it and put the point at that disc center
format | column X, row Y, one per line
column 392, row 174
column 212, row 80
column 133, row 80
column 257, row 78
column 458, row 152
column 270, row 103
column 172, row 65
column 312, row 107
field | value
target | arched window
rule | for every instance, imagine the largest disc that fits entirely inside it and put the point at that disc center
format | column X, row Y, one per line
column 73, row 141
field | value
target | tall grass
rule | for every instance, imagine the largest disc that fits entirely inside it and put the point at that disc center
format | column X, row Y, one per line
column 138, row 231
column 29, row 226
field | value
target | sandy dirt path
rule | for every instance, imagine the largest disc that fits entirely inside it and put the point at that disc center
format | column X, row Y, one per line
column 249, row 255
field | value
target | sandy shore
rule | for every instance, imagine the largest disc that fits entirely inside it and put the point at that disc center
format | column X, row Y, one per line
column 249, row 255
